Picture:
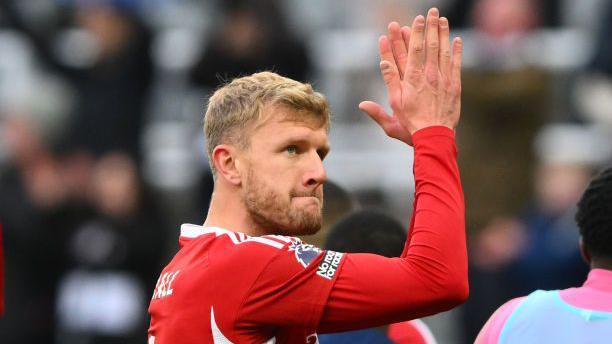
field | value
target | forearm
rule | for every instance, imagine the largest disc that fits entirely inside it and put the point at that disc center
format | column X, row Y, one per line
column 436, row 244
column 431, row 275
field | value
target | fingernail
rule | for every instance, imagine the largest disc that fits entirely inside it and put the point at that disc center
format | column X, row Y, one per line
column 443, row 21
column 420, row 19
column 434, row 11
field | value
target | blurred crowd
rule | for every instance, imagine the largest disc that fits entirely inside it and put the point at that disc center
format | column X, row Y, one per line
column 102, row 153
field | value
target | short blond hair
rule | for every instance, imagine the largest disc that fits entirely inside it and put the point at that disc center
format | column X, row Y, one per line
column 237, row 106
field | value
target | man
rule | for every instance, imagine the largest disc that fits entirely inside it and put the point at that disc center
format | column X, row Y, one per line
column 243, row 278
column 370, row 231
column 574, row 315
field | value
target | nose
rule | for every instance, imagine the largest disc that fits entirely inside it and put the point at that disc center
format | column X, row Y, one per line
column 316, row 174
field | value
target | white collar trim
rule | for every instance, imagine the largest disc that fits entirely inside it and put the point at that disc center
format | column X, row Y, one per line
column 193, row 231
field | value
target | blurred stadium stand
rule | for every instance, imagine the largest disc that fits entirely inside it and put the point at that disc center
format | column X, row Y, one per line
column 125, row 73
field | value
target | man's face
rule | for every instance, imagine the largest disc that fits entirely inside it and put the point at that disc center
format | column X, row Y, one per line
column 283, row 188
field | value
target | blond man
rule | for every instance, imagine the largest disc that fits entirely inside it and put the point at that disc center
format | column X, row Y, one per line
column 242, row 277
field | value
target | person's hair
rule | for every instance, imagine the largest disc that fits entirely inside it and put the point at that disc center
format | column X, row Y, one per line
column 367, row 231
column 594, row 216
column 236, row 106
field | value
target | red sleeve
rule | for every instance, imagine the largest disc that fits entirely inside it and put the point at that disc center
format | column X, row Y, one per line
column 293, row 288
column 431, row 274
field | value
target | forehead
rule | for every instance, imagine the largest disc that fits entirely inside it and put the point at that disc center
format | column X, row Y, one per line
column 280, row 123
column 283, row 113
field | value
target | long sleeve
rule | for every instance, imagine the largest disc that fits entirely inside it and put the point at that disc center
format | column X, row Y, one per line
column 431, row 274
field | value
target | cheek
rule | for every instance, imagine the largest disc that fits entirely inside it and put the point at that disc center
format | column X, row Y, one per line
column 270, row 185
column 279, row 173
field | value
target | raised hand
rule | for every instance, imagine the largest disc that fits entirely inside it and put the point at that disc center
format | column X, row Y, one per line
column 422, row 77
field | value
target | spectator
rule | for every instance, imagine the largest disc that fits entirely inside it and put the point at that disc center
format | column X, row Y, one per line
column 247, row 41
column 574, row 315
column 34, row 211
column 514, row 256
column 369, row 231
column 109, row 67
column 507, row 99
column 568, row 155
column 112, row 256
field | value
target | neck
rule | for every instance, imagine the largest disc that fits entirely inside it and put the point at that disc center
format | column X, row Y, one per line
column 227, row 211
column 600, row 263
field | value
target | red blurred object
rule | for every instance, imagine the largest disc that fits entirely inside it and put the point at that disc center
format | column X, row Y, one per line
column 410, row 332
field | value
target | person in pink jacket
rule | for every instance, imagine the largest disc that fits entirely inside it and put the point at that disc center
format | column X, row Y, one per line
column 574, row 315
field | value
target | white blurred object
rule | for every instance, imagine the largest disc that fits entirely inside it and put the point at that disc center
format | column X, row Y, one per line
column 586, row 15
column 177, row 49
column 548, row 49
column 17, row 73
column 559, row 49
column 363, row 157
column 109, row 303
column 573, row 144
column 77, row 48
column 170, row 162
column 26, row 92
column 345, row 70
column 593, row 96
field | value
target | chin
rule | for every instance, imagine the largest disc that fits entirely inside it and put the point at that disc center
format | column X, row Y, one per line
column 304, row 227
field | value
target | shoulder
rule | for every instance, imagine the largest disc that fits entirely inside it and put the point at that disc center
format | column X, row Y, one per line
column 492, row 329
column 252, row 249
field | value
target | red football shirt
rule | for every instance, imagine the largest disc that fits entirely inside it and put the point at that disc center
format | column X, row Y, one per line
column 226, row 287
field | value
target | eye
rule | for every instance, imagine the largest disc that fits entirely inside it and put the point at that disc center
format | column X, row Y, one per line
column 292, row 150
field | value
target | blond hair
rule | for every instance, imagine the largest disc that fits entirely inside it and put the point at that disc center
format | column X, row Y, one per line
column 235, row 107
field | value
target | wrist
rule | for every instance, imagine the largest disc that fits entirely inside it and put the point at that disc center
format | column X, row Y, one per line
column 433, row 130
column 427, row 124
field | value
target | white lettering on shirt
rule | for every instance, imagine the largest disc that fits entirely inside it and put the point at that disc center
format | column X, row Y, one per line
column 163, row 287
column 328, row 266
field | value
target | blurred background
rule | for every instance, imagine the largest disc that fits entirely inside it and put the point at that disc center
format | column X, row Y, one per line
column 102, row 155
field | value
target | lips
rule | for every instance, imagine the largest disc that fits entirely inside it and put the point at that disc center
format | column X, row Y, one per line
column 308, row 199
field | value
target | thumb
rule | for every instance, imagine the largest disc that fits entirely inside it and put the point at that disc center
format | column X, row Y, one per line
column 376, row 112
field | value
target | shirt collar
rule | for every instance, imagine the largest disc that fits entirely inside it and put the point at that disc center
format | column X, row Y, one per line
column 600, row 279
column 193, row 231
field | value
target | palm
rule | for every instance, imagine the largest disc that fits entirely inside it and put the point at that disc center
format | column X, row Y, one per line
column 420, row 94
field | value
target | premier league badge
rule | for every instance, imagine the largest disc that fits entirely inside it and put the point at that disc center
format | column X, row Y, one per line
column 304, row 253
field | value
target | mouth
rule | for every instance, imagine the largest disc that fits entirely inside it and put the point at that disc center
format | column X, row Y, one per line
column 306, row 200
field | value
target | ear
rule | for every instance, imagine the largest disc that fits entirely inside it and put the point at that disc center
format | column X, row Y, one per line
column 225, row 159
column 584, row 252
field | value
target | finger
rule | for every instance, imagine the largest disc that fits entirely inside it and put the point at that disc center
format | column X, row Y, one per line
column 456, row 64
column 406, row 37
column 415, row 53
column 388, row 68
column 432, row 42
column 445, row 52
column 376, row 112
column 397, row 45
